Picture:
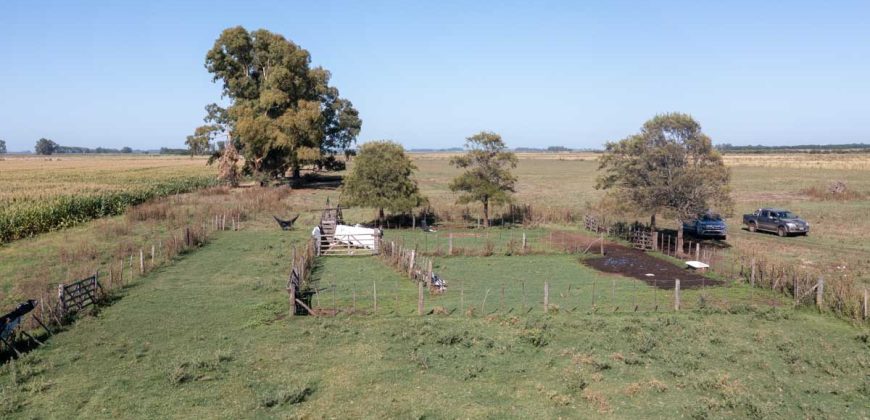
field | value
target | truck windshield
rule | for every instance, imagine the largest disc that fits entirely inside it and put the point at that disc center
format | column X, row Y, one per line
column 711, row 218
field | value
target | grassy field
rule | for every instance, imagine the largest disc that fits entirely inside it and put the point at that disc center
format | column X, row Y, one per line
column 206, row 334
column 837, row 242
column 208, row 337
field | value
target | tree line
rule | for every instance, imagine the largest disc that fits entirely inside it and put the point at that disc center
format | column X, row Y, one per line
column 283, row 113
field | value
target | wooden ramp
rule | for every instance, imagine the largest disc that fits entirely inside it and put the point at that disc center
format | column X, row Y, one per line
column 331, row 217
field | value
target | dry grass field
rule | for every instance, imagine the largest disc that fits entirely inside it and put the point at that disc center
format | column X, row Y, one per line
column 839, row 227
column 204, row 332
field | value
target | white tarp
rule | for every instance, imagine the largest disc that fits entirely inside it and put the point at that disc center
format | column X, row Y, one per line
column 359, row 236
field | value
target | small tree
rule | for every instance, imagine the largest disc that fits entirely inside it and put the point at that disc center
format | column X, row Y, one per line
column 488, row 178
column 200, row 142
column 45, row 146
column 381, row 177
column 671, row 167
column 126, row 149
column 2, row 147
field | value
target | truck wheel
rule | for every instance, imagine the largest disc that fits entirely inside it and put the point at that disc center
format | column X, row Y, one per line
column 753, row 227
column 781, row 231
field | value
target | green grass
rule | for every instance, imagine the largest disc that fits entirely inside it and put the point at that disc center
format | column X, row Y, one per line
column 208, row 337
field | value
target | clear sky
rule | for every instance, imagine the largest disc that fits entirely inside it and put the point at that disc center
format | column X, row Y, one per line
column 428, row 74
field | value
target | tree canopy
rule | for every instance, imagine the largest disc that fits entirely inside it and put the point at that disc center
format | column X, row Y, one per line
column 45, row 146
column 382, row 177
column 2, row 147
column 488, row 178
column 200, row 142
column 669, row 167
column 283, row 112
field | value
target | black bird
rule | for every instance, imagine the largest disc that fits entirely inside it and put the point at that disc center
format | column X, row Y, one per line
column 286, row 224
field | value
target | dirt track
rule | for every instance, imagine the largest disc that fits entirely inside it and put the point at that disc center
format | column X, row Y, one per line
column 630, row 262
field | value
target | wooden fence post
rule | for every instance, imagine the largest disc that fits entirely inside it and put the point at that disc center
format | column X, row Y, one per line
column 546, row 297
column 677, row 295
column 419, row 298
column 375, row 296
column 450, row 244
column 820, row 293
column 697, row 251
column 131, row 266
column 60, row 301
column 411, row 263
column 752, row 273
column 524, row 242
column 865, row 304
column 292, row 292
column 141, row 261
column 601, row 242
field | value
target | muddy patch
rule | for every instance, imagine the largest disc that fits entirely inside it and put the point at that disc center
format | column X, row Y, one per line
column 629, row 262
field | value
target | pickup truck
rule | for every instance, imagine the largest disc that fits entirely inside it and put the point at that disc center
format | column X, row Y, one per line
column 783, row 222
column 709, row 225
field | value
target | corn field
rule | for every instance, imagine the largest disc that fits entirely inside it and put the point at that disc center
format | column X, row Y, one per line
column 41, row 195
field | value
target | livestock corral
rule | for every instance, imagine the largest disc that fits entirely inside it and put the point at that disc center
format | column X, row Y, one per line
column 203, row 306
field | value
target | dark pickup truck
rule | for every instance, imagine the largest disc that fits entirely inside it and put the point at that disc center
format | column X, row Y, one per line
column 783, row 222
column 706, row 225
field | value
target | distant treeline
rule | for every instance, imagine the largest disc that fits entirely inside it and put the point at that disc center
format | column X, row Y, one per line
column 83, row 150
column 804, row 148
column 72, row 150
column 168, row 151
column 550, row 149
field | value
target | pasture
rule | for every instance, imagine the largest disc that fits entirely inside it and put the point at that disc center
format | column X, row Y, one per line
column 204, row 332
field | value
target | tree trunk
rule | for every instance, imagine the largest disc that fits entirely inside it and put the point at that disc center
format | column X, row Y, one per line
column 381, row 217
column 652, row 222
column 486, row 213
column 297, row 173
column 680, row 237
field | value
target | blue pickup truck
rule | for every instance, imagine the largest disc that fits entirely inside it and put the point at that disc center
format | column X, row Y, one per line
column 707, row 225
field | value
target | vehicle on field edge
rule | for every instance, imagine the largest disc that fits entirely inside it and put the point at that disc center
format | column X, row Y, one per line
column 782, row 222
column 707, row 225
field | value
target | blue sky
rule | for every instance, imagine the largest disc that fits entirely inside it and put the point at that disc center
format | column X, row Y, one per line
column 428, row 74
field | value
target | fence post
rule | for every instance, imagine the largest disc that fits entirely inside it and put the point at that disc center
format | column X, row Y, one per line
column 865, row 304
column 375, row 296
column 411, row 263
column 524, row 242
column 141, row 261
column 697, row 251
column 450, row 244
column 60, row 301
column 601, row 242
column 677, row 295
column 752, row 273
column 131, row 266
column 820, row 293
column 419, row 298
column 292, row 292
column 546, row 297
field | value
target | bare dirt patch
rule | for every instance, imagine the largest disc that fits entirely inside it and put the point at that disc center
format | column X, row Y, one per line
column 629, row 262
